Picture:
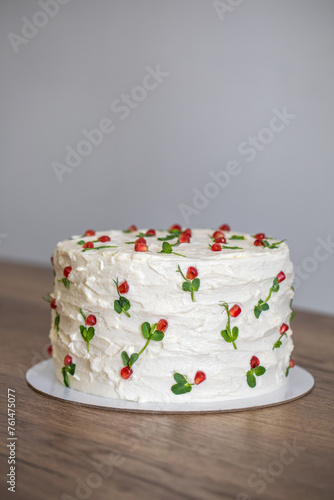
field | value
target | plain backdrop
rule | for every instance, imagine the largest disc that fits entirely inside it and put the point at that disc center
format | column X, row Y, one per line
column 227, row 65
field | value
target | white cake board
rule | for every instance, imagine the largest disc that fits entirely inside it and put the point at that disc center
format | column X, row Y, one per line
column 41, row 378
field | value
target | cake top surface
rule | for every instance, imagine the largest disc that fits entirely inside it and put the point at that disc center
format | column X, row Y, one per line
column 197, row 243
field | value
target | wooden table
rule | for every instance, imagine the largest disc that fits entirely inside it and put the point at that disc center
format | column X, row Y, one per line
column 66, row 451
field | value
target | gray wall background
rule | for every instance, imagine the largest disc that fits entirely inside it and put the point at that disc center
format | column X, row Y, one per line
column 226, row 74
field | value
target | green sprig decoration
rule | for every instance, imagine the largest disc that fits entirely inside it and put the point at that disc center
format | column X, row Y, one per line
column 149, row 332
column 263, row 305
column 66, row 282
column 168, row 248
column 293, row 313
column 189, row 285
column 99, row 248
column 121, row 304
column 182, row 385
column 273, row 245
column 258, row 371
column 229, row 335
column 86, row 333
column 66, row 371
column 237, row 237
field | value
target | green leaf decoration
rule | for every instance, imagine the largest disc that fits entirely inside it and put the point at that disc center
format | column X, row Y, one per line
column 257, row 311
column 180, row 379
column 275, row 286
column 125, row 358
column 117, row 306
column 235, row 333
column 157, row 335
column 125, row 303
column 186, row 286
column 90, row 333
column 71, row 368
column 265, row 307
column 196, row 284
column 273, row 245
column 277, row 344
column 65, row 376
column 181, row 389
column 81, row 242
column 226, row 336
column 133, row 359
column 287, row 371
column 167, row 247
column 259, row 370
column 251, row 380
column 292, row 316
column 66, row 282
column 57, row 321
column 236, row 237
column 146, row 330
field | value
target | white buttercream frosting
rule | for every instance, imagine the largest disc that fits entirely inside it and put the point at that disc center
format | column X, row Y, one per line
column 193, row 340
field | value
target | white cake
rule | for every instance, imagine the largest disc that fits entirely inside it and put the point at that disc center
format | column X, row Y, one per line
column 216, row 342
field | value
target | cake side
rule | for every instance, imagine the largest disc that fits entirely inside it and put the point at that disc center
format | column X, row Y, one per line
column 193, row 341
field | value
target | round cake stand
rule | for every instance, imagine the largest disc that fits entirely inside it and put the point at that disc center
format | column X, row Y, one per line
column 41, row 378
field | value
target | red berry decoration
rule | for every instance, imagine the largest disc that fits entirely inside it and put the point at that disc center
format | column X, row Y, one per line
column 104, row 239
column 225, row 227
column 175, row 227
column 184, row 238
column 199, row 377
column 258, row 243
column 140, row 240
column 192, row 273
column 50, row 350
column 222, row 239
column 188, row 231
column 284, row 328
column 292, row 363
column 132, row 228
column 254, row 362
column 89, row 244
column 126, row 372
column 218, row 234
column 90, row 232
column 216, row 247
column 235, row 311
column 53, row 304
column 150, row 232
column 123, row 288
column 260, row 236
column 91, row 320
column 281, row 277
column 67, row 360
column 141, row 247
column 67, row 271
column 162, row 325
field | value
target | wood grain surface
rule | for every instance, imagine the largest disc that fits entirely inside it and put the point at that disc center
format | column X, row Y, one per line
column 71, row 452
